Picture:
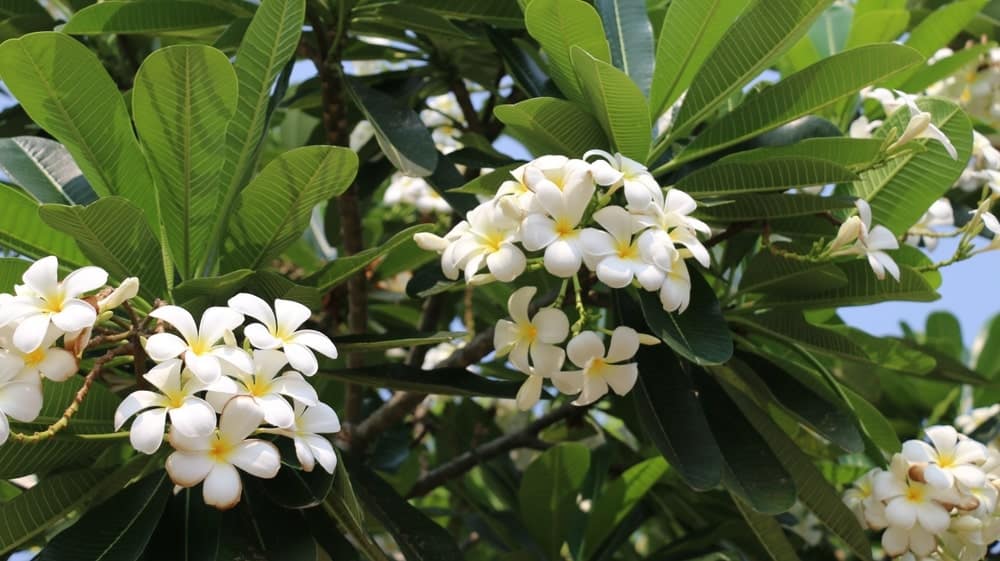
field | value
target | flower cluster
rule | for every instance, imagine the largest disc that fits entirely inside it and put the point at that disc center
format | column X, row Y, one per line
column 552, row 205
column 203, row 373
column 937, row 500
column 44, row 327
column 857, row 237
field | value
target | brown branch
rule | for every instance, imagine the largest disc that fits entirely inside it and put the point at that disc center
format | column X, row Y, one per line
column 732, row 230
column 524, row 438
column 465, row 103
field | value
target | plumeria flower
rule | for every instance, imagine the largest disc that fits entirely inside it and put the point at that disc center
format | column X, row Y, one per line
column 985, row 154
column 545, row 366
column 43, row 300
column 198, row 346
column 965, row 540
column 897, row 541
column 526, row 335
column 515, row 189
column 128, row 289
column 213, row 459
column 973, row 419
column 600, row 370
column 488, row 239
column 993, row 225
column 641, row 188
column 557, row 229
column 920, row 126
column 265, row 387
column 189, row 414
column 310, row 447
column 890, row 101
column 613, row 253
column 280, row 330
column 20, row 395
column 911, row 506
column 863, row 128
column 668, row 223
column 861, row 499
column 951, row 458
column 868, row 241
column 675, row 293
column 47, row 360
column 556, row 171
column 939, row 214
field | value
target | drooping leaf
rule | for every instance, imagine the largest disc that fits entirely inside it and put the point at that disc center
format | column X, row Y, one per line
column 862, row 287
column 189, row 530
column 439, row 381
column 768, row 532
column 618, row 499
column 769, row 273
column 875, row 425
column 553, row 126
column 342, row 268
column 277, row 534
column 789, row 325
column 215, row 288
column 115, row 16
column 560, row 25
column 183, row 98
column 700, row 333
column 65, row 89
column 616, row 101
column 547, row 495
column 113, row 235
column 394, row 340
column 767, row 206
column 742, row 177
column 21, row 230
column 45, row 170
column 275, row 207
column 630, row 36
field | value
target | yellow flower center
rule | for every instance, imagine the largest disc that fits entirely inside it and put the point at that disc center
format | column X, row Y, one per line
column 626, row 250
column 493, row 240
column 563, row 227
column 174, row 399
column 34, row 357
column 915, row 493
column 200, row 347
column 596, row 366
column 528, row 332
column 54, row 305
column 258, row 388
column 946, row 460
column 220, row 450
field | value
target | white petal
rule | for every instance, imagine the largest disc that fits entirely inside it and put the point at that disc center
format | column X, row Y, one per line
column 30, row 332
column 146, row 433
column 615, row 272
column 505, row 335
column 624, row 344
column 179, row 318
column 935, row 133
column 932, row 517
column 135, row 402
column 216, row 321
column 241, row 417
column 900, row 513
column 568, row 383
column 304, row 454
column 58, row 364
column 896, row 541
column 255, row 307
column 205, row 367
column 604, row 174
column 552, row 325
column 597, row 243
column 864, row 212
column 21, row 401
column 277, row 410
column 294, row 386
column 257, row 457
column 301, row 358
column 290, row 315
column 4, row 429
column 529, row 393
column 922, row 542
column 594, row 388
column 507, row 263
column 322, row 451
column 563, row 258
column 918, row 451
column 267, row 364
column 260, row 337
column 165, row 376
column 617, row 221
column 583, row 347
column 43, row 276
column 74, row 316
column 195, row 417
column 84, row 280
column 538, row 231
column 621, row 377
column 316, row 341
column 163, row 346
column 547, row 359
column 319, row 418
column 188, row 469
column 235, row 356
column 222, row 488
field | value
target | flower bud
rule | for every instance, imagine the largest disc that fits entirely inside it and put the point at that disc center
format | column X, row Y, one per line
column 127, row 290
column 848, row 233
column 647, row 339
column 430, row 242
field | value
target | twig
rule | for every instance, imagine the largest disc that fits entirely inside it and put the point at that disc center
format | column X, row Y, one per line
column 524, row 438
column 732, row 230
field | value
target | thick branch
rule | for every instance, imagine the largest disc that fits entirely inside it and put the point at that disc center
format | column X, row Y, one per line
column 524, row 438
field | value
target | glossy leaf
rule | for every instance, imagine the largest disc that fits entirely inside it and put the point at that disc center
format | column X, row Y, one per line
column 768, row 532
column 393, row 340
column 617, row 102
column 18, row 459
column 767, row 206
column 215, row 288
column 560, row 25
column 700, row 334
column 547, row 495
column 439, row 381
column 342, row 268
column 189, row 530
column 862, row 288
column 500, row 13
column 618, row 499
column 769, row 273
column 630, row 36
column 791, row 326
column 553, row 126
column 739, row 177
column 183, row 98
column 852, row 153
column 45, row 170
column 875, row 425
column 114, row 16
column 21, row 230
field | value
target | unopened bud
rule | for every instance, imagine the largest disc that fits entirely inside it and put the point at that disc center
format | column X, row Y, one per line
column 647, row 339
column 968, row 503
column 916, row 473
column 128, row 289
column 430, row 242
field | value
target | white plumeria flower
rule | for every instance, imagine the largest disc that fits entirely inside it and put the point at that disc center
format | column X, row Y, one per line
column 863, row 128
column 641, row 188
column 921, row 126
column 535, row 336
column 939, row 214
column 557, row 171
column 675, row 293
column 613, row 253
column 668, row 224
column 545, row 366
column 915, row 539
column 188, row 413
column 890, row 101
column 972, row 420
column 952, row 458
column 199, row 349
column 20, row 395
column 993, row 225
column 265, row 387
column 515, row 189
column 280, row 330
column 417, row 192
column 128, row 289
column 965, row 540
column 215, row 457
column 557, row 230
column 310, row 447
column 43, row 300
column 488, row 238
column 47, row 360
column 868, row 241
column 912, row 508
column 598, row 370
column 861, row 499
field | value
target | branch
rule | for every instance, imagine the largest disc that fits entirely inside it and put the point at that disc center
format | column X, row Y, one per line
column 732, row 230
column 524, row 438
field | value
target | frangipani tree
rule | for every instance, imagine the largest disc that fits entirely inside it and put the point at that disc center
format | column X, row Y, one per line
column 496, row 280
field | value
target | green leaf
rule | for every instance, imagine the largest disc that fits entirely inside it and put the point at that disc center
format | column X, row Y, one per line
column 342, row 268
column 367, row 342
column 115, row 16
column 113, row 235
column 547, row 495
column 943, row 333
column 11, row 271
column 769, row 273
column 875, row 425
column 18, row 459
column 691, row 30
column 44, row 169
column 94, row 416
column 791, row 326
column 275, row 207
column 942, row 69
column 768, row 532
column 560, row 25
column 766, row 206
column 808, row 91
column 21, row 230
column 617, row 102
column 852, row 153
column 630, row 35
column 118, row 529
column 548, row 125
column 987, row 360
column 500, row 13
column 614, row 503
column 759, row 36
column 862, row 288
column 419, row 538
column 419, row 20
column 190, row 530
column 700, row 333
column 276, row 533
column 942, row 25
column 214, row 288
column 488, row 183
column 293, row 488
column 877, row 26
column 65, row 89
column 738, row 177
column 10, row 8
column 183, row 98
column 439, row 381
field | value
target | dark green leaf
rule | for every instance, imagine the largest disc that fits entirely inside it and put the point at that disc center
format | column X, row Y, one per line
column 618, row 499
column 547, row 495
column 987, row 361
column 765, row 206
column 215, row 288
column 630, row 35
column 862, row 288
column 44, row 169
column 791, row 326
column 440, row 381
column 392, row 340
column 770, row 273
column 700, row 333
column 342, row 268
column 553, row 126
column 190, row 530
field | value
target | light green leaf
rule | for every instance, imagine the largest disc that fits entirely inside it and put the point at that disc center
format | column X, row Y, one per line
column 183, row 98
column 759, row 36
column 64, row 88
column 900, row 191
column 742, row 177
column 948, row 66
column 548, row 125
column 792, row 327
column 488, row 183
column 21, row 230
column 11, row 271
column 942, row 25
column 560, row 25
column 829, row 32
column 368, row 343
column 113, row 235
column 862, row 288
column 769, row 273
column 547, row 495
column 700, row 333
column 617, row 103
column 765, row 206
column 341, row 268
column 877, row 26
column 806, row 92
column 618, row 499
column 44, row 169
column 875, row 425
column 630, row 35
column 275, row 207
column 852, row 153
column 115, row 16
column 691, row 30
